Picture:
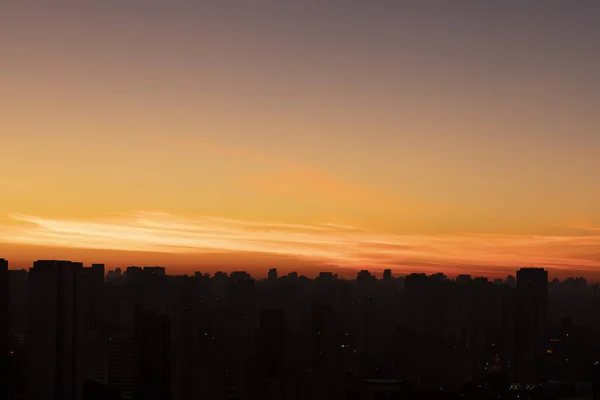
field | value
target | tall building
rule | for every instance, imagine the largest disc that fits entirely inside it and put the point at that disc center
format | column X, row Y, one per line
column 121, row 350
column 18, row 298
column 326, row 277
column 530, row 324
column 387, row 275
column 272, row 274
column 95, row 346
column 93, row 284
column 4, row 316
column 17, row 326
column 184, row 335
column 96, row 273
column 55, row 331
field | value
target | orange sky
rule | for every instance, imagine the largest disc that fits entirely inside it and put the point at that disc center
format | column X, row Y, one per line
column 322, row 136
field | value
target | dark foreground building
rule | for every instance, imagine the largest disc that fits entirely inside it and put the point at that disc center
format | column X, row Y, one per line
column 56, row 331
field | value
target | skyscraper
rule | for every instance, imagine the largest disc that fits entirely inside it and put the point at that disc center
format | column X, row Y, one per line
column 531, row 324
column 3, row 321
column 95, row 346
column 56, row 331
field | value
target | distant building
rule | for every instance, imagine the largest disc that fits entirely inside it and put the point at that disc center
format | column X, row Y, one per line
column 236, row 276
column 156, row 271
column 364, row 277
column 4, row 319
column 326, row 276
column 56, row 331
column 95, row 346
column 439, row 277
column 511, row 281
column 133, row 274
column 531, row 324
column 220, row 276
column 114, row 275
column 387, row 275
column 272, row 274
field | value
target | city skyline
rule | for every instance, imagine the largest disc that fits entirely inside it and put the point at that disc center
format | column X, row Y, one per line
column 77, row 332
column 458, row 138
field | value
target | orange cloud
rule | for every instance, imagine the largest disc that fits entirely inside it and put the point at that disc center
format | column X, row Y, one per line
column 331, row 244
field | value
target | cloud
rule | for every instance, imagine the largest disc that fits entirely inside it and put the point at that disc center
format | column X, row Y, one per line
column 335, row 245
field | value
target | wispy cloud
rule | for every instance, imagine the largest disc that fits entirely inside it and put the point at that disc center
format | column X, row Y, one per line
column 329, row 243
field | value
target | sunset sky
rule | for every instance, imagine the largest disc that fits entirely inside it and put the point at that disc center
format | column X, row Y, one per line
column 422, row 136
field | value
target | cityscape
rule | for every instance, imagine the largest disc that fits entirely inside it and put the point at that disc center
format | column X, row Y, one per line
column 75, row 332
column 300, row 200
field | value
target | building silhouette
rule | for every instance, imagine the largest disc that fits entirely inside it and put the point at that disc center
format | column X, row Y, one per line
column 149, row 335
column 121, row 362
column 55, row 340
column 95, row 344
column 18, row 293
column 387, row 275
column 4, row 324
column 364, row 277
column 272, row 274
column 531, row 325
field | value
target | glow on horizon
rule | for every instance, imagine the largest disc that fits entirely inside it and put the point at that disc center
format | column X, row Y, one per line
column 337, row 246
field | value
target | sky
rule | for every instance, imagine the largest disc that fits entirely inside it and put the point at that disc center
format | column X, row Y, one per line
column 420, row 136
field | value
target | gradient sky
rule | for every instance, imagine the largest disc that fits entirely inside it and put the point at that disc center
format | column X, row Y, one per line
column 430, row 136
